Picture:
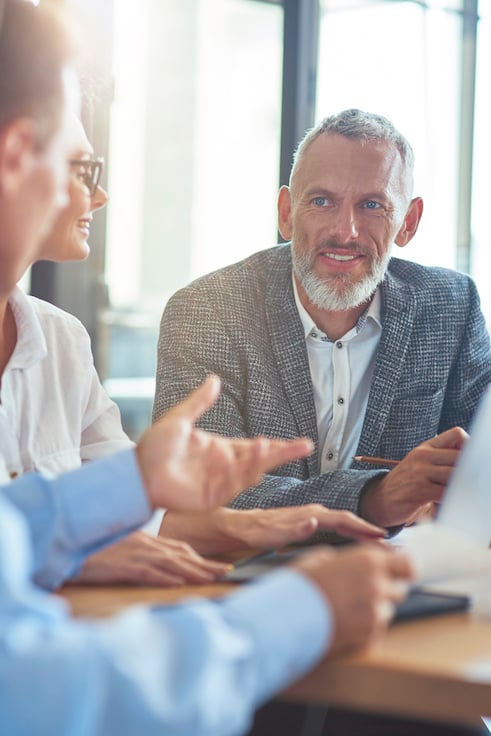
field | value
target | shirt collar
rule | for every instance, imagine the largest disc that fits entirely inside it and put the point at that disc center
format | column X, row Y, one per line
column 372, row 312
column 31, row 344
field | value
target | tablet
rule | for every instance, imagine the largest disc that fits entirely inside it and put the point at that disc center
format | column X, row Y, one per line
column 419, row 603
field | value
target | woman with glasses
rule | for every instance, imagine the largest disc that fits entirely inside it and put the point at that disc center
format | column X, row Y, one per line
column 54, row 412
column 68, row 240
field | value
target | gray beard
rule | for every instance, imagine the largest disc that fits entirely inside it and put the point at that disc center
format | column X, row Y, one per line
column 339, row 293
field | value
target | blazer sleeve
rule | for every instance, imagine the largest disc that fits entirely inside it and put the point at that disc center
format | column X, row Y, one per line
column 471, row 371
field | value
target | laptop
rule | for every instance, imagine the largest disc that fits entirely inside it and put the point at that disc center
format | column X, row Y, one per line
column 453, row 547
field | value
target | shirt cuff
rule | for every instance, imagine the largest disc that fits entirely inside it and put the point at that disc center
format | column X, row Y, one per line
column 102, row 499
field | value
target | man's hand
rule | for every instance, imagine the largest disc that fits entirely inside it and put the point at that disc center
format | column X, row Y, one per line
column 362, row 586
column 226, row 530
column 141, row 558
column 408, row 492
column 187, row 468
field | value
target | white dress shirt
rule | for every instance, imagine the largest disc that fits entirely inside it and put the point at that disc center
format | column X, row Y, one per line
column 54, row 412
column 341, row 373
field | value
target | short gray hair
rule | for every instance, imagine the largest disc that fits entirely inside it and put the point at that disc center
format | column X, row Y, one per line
column 360, row 126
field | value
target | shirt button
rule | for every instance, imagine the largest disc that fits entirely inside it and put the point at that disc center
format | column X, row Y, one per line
column 340, row 400
column 13, row 474
column 330, row 455
column 339, row 344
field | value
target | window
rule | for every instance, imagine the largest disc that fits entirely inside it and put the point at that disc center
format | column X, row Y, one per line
column 402, row 59
column 194, row 159
column 481, row 240
column 194, row 152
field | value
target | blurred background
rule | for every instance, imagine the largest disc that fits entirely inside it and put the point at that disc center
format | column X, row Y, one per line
column 197, row 107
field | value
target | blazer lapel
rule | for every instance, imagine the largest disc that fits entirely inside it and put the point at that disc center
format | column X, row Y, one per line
column 398, row 322
column 288, row 345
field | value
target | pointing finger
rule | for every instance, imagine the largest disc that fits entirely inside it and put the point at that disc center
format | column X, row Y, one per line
column 199, row 400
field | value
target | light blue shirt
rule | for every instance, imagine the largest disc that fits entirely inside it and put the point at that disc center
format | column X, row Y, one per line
column 195, row 669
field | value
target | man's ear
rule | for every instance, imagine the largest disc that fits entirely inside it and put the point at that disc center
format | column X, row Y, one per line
column 284, row 213
column 411, row 222
column 18, row 144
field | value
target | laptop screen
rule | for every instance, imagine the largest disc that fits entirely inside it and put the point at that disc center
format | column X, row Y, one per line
column 466, row 505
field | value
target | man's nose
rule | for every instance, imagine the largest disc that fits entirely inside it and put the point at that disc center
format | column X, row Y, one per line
column 344, row 226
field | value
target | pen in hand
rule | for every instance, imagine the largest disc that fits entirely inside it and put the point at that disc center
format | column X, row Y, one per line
column 376, row 460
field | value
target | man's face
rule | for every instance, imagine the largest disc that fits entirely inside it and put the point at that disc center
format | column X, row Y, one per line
column 347, row 205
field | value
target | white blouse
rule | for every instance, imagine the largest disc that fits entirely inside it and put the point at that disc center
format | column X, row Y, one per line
column 54, row 412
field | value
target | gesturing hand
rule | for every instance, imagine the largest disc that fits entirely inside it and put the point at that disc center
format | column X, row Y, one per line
column 226, row 530
column 147, row 560
column 187, row 468
column 362, row 586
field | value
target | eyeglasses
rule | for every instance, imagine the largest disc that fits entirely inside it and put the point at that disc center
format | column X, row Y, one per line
column 90, row 171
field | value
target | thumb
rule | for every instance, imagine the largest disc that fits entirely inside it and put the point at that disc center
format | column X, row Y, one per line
column 199, row 400
column 453, row 438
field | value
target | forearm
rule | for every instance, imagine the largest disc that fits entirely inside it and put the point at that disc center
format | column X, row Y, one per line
column 206, row 532
column 197, row 669
column 340, row 489
column 471, row 373
column 216, row 532
column 72, row 516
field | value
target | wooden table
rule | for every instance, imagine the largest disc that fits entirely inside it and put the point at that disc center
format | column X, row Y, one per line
column 435, row 668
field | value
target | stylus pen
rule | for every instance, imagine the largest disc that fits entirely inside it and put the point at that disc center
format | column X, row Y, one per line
column 376, row 460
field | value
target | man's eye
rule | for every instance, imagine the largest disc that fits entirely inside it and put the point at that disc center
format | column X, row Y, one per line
column 371, row 205
column 320, row 201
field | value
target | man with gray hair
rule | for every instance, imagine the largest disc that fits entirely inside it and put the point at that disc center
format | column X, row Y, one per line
column 331, row 337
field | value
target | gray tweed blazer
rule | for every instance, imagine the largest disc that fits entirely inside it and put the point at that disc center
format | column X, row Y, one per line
column 241, row 322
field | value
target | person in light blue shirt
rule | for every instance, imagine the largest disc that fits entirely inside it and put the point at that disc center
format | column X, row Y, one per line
column 193, row 669
column 200, row 668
